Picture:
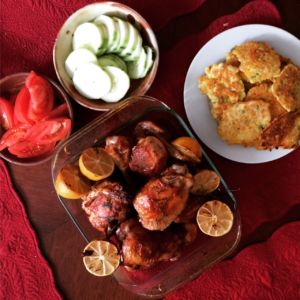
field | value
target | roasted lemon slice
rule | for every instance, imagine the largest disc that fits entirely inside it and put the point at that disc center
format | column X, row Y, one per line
column 101, row 258
column 70, row 183
column 214, row 218
column 205, row 182
column 189, row 144
column 96, row 164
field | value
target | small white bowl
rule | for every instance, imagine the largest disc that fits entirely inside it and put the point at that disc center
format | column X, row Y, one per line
column 63, row 46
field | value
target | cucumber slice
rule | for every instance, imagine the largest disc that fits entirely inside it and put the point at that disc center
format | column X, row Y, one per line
column 91, row 81
column 136, row 69
column 135, row 54
column 104, row 45
column 132, row 41
column 123, row 28
column 113, row 61
column 112, row 31
column 120, row 84
column 78, row 57
column 88, row 35
column 149, row 60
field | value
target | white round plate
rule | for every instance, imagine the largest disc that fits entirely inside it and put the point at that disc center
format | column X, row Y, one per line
column 196, row 104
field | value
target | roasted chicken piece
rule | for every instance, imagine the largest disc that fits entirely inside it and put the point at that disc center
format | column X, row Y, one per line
column 148, row 157
column 162, row 199
column 142, row 248
column 118, row 147
column 106, row 205
column 148, row 128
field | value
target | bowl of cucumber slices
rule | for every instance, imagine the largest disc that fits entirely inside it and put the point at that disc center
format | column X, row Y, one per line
column 104, row 53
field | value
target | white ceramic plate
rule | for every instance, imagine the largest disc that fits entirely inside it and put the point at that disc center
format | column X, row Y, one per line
column 196, row 104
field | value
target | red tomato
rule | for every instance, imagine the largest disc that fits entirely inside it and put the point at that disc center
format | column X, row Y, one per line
column 6, row 114
column 58, row 112
column 22, row 106
column 14, row 135
column 26, row 149
column 49, row 131
column 41, row 96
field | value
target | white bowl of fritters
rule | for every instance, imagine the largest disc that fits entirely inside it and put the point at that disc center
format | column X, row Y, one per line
column 198, row 106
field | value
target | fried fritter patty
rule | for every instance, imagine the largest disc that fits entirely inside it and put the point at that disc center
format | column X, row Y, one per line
column 263, row 92
column 286, row 87
column 258, row 61
column 243, row 122
column 222, row 84
column 282, row 132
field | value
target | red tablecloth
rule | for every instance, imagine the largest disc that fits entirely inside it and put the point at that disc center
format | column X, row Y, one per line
column 268, row 194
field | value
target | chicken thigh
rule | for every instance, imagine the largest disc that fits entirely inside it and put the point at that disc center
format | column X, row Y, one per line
column 162, row 199
column 118, row 147
column 148, row 157
column 106, row 205
column 143, row 248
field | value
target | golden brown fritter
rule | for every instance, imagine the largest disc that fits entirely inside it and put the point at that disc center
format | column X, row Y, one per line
column 244, row 122
column 263, row 92
column 258, row 61
column 222, row 84
column 286, row 87
column 283, row 132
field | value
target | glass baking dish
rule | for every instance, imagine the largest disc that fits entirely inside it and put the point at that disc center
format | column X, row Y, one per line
column 197, row 256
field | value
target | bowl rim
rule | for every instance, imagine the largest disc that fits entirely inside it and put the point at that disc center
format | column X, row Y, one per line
column 64, row 96
column 90, row 103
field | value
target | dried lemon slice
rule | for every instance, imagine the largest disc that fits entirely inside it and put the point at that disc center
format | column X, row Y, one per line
column 214, row 218
column 96, row 164
column 101, row 258
column 205, row 182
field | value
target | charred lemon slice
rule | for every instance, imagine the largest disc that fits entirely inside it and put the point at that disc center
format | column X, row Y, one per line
column 70, row 183
column 214, row 218
column 96, row 164
column 101, row 258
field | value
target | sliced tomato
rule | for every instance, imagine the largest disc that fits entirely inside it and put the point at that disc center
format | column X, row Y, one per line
column 14, row 135
column 49, row 131
column 6, row 114
column 22, row 106
column 26, row 149
column 58, row 112
column 41, row 96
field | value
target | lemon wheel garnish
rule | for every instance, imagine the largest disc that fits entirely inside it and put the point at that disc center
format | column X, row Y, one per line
column 70, row 183
column 214, row 218
column 205, row 182
column 101, row 258
column 96, row 164
column 188, row 143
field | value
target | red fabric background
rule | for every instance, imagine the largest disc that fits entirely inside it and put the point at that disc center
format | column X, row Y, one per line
column 24, row 274
column 268, row 194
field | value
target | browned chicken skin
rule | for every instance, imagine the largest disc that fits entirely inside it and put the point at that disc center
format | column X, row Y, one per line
column 162, row 199
column 118, row 147
column 143, row 248
column 106, row 205
column 148, row 157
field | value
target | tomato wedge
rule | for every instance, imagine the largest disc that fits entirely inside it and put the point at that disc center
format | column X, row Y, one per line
column 58, row 112
column 49, row 131
column 22, row 106
column 26, row 149
column 14, row 135
column 41, row 96
column 6, row 114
